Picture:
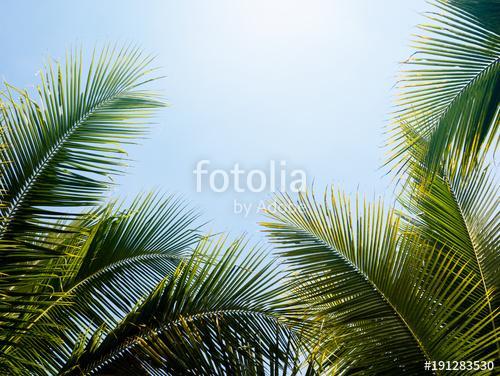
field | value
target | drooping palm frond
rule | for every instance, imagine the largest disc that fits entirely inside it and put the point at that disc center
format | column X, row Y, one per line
column 451, row 96
column 222, row 312
column 390, row 302
column 62, row 147
column 124, row 255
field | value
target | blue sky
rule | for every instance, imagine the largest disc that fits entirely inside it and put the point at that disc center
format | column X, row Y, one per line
column 306, row 82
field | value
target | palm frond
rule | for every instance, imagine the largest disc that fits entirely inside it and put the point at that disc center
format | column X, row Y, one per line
column 459, row 211
column 62, row 148
column 124, row 256
column 486, row 12
column 222, row 312
column 451, row 96
column 390, row 302
column 58, row 154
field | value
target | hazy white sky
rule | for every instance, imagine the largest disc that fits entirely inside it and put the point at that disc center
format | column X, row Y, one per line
column 306, row 82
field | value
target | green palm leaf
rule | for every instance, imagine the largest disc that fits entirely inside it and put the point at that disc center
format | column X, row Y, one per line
column 61, row 149
column 59, row 152
column 487, row 12
column 221, row 313
column 451, row 96
column 457, row 208
column 389, row 302
column 460, row 212
column 123, row 257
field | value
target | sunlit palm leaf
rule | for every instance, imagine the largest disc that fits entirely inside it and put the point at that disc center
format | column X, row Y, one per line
column 457, row 208
column 219, row 314
column 460, row 212
column 451, row 96
column 62, row 148
column 59, row 151
column 389, row 302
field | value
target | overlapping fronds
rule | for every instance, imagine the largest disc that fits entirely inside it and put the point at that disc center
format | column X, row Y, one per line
column 389, row 302
column 460, row 212
column 124, row 255
column 222, row 312
column 62, row 145
column 88, row 288
column 60, row 148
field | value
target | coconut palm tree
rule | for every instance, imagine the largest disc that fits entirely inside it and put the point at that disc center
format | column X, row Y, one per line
column 398, row 287
column 84, row 282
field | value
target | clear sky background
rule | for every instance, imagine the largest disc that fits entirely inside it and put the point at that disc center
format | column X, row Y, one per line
column 307, row 82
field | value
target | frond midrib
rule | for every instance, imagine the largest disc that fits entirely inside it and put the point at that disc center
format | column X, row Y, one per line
column 474, row 247
column 87, row 279
column 42, row 165
column 419, row 343
column 131, row 342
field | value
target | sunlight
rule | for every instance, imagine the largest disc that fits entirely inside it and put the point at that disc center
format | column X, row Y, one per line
column 281, row 18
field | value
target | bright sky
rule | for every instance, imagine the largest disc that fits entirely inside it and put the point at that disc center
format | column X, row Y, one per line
column 305, row 82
